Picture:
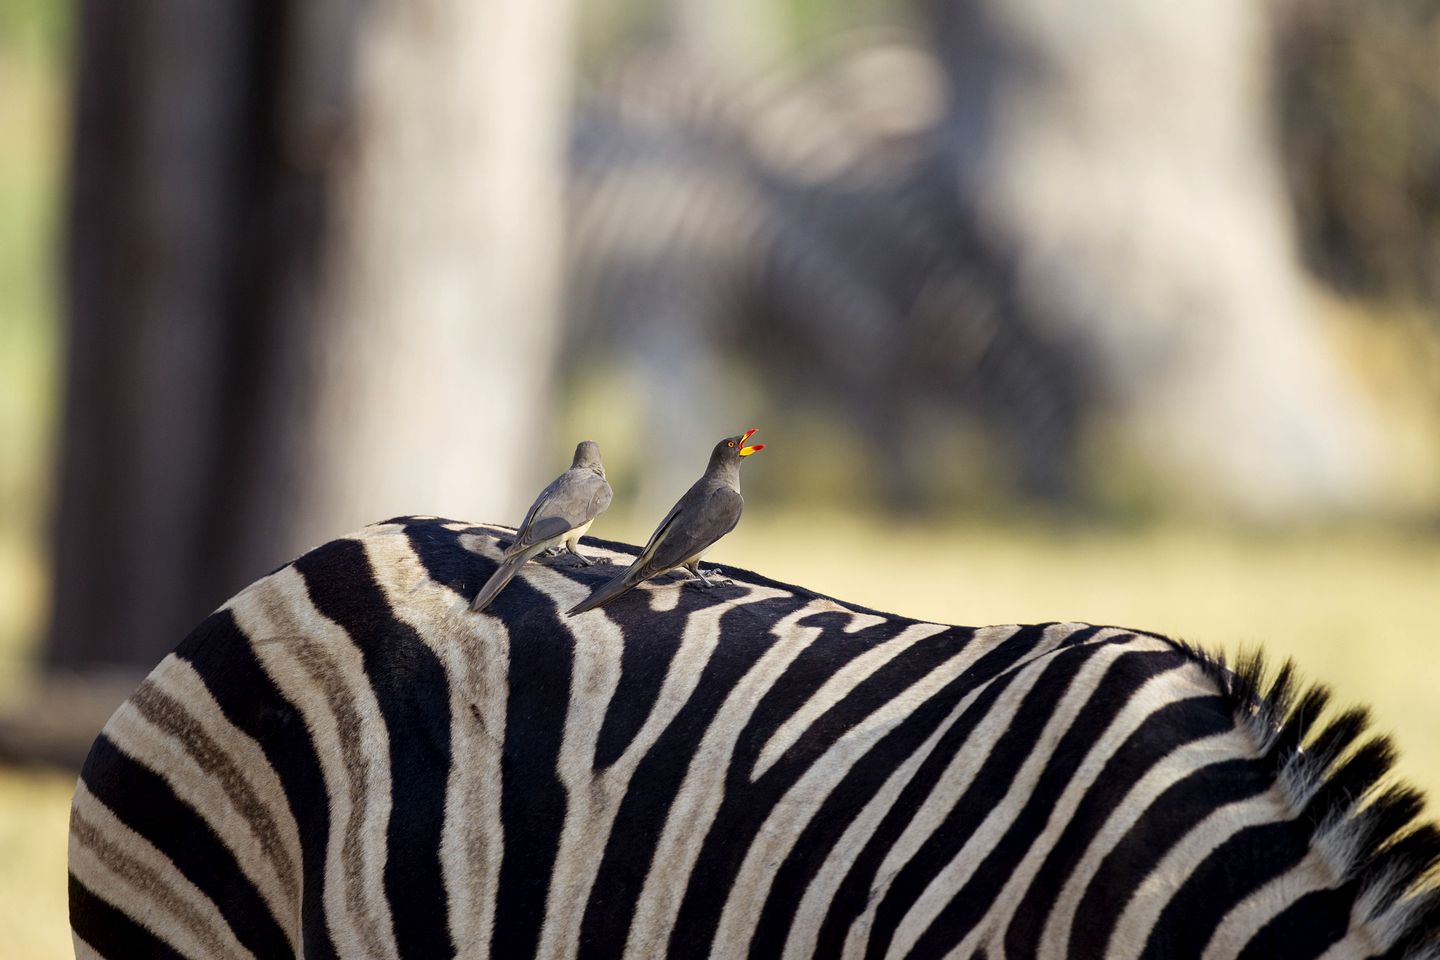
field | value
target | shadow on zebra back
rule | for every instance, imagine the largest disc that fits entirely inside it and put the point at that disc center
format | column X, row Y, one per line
column 343, row 761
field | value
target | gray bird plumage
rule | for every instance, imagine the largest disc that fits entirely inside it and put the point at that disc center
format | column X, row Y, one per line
column 708, row 510
column 560, row 515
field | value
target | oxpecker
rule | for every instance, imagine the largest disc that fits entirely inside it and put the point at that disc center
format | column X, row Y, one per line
column 561, row 514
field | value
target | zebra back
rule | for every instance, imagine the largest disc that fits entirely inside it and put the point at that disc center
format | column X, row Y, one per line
column 344, row 761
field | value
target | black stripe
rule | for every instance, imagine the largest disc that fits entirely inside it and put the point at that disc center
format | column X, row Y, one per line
column 410, row 686
column 445, row 560
column 830, row 651
column 987, row 791
column 1159, row 828
column 1237, row 868
column 657, row 778
column 1087, row 633
column 643, row 667
column 532, row 798
column 113, row 934
column 845, row 802
column 220, row 653
column 1165, row 730
column 1306, row 928
column 992, row 674
column 746, row 804
column 1112, row 692
column 142, row 800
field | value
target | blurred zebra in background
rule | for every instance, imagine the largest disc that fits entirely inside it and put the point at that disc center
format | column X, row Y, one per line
column 344, row 762
column 808, row 226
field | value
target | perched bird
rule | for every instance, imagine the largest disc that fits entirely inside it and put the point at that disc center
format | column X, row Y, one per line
column 561, row 514
column 708, row 510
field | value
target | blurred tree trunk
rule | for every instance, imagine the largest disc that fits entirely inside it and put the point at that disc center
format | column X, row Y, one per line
column 1120, row 154
column 311, row 283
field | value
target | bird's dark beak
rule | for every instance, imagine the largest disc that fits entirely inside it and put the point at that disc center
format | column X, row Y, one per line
column 746, row 451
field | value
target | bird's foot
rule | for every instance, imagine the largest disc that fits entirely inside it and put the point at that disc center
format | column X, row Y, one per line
column 581, row 559
column 709, row 578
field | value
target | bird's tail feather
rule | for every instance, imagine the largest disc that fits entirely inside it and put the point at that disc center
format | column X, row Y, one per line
column 606, row 592
column 498, row 581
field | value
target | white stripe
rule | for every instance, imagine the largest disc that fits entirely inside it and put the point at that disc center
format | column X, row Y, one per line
column 969, row 758
column 147, row 906
column 1155, row 694
column 290, row 638
column 961, row 868
column 1155, row 892
column 1247, row 917
column 805, row 929
column 833, row 690
column 595, row 798
column 167, row 757
column 474, row 650
column 1370, row 923
column 180, row 680
column 1054, row 944
column 703, row 788
column 83, row 950
column 1357, row 942
column 776, row 838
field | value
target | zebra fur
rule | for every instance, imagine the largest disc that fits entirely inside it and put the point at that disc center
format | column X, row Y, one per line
column 344, row 761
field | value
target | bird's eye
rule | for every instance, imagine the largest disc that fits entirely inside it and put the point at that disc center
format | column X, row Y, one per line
column 731, row 443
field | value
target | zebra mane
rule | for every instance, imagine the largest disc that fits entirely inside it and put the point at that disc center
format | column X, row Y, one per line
column 1338, row 777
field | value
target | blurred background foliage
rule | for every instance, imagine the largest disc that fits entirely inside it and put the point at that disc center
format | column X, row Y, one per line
column 1115, row 316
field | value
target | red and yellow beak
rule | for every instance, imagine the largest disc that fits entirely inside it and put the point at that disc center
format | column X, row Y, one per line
column 746, row 451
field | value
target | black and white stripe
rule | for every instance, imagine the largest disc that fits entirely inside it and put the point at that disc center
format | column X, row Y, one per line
column 345, row 762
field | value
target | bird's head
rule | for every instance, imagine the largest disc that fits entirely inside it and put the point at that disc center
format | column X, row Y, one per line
column 587, row 454
column 736, row 448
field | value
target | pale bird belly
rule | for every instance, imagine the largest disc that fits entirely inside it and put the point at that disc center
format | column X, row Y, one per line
column 573, row 537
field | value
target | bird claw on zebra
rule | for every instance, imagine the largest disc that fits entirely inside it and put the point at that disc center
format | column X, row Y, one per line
column 709, row 578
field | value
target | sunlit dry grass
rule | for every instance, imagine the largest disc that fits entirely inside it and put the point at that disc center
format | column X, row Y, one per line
column 34, row 808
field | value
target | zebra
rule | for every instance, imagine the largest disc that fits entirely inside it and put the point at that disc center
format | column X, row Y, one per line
column 343, row 761
column 815, row 211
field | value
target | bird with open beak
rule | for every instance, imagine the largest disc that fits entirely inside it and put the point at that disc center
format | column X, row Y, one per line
column 559, row 516
column 708, row 510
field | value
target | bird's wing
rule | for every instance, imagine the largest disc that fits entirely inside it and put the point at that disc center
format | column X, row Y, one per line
column 600, row 501
column 573, row 500
column 530, row 514
column 696, row 489
column 698, row 522
column 658, row 536
column 581, row 499
column 541, row 523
